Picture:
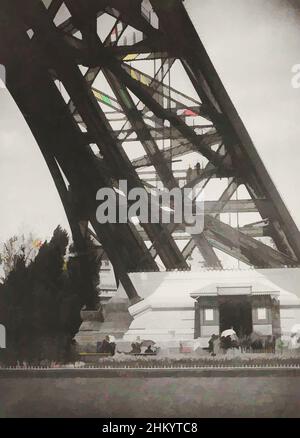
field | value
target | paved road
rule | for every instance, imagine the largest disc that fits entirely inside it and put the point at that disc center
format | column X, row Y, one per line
column 133, row 397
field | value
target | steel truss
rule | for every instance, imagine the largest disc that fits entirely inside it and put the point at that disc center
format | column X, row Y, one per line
column 152, row 112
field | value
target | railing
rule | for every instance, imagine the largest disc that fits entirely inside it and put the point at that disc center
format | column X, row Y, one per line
column 172, row 364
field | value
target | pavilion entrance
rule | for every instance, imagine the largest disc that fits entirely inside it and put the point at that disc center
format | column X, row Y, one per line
column 236, row 312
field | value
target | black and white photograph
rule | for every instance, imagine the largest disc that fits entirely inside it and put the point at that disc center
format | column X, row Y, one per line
column 150, row 211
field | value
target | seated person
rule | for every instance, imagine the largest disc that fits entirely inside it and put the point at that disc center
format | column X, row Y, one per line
column 112, row 348
column 149, row 350
column 136, row 348
column 211, row 344
column 104, row 347
column 235, row 343
column 98, row 347
column 226, row 342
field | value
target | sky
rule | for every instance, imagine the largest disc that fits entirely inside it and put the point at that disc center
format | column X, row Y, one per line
column 253, row 46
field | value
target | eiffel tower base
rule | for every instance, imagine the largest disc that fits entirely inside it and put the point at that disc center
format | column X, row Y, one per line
column 114, row 320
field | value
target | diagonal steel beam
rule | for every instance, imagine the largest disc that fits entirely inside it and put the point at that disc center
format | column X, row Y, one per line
column 142, row 93
column 219, row 207
column 68, row 146
column 162, row 89
column 54, row 7
column 255, row 251
column 155, row 155
column 211, row 91
column 171, row 256
column 150, row 146
column 205, row 140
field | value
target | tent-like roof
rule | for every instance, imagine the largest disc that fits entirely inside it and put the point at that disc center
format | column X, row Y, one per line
column 244, row 288
column 174, row 288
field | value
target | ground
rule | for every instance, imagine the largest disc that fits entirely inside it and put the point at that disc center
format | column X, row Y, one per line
column 161, row 397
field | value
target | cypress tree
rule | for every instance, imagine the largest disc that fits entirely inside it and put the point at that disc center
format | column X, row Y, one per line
column 40, row 303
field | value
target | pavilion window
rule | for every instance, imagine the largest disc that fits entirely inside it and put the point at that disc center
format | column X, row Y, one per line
column 261, row 313
column 208, row 315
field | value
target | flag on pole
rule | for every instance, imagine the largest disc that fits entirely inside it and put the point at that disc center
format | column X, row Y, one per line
column 189, row 113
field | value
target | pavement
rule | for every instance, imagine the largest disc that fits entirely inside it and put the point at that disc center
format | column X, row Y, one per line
column 136, row 396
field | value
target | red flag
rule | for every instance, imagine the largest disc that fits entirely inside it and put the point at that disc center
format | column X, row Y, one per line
column 189, row 113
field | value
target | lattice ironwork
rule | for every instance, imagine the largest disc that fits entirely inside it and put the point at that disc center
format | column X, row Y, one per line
column 84, row 130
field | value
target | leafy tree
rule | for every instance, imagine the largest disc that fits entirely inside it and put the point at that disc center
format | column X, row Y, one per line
column 27, row 246
column 15, row 305
column 40, row 302
column 84, row 272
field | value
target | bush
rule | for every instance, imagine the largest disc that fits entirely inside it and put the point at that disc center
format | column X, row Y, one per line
column 40, row 305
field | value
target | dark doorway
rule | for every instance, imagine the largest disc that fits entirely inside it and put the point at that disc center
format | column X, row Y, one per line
column 236, row 312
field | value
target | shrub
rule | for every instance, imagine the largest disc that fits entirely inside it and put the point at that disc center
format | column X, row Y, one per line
column 40, row 305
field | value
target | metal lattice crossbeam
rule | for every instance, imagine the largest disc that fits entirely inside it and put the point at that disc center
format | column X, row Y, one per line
column 135, row 109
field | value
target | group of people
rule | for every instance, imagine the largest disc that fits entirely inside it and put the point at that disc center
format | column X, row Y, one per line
column 294, row 342
column 136, row 347
column 251, row 343
column 107, row 346
column 221, row 344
